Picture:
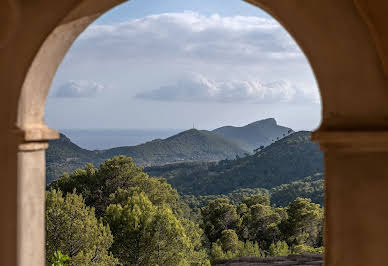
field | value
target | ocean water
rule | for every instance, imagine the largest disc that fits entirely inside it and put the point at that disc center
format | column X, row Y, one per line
column 100, row 139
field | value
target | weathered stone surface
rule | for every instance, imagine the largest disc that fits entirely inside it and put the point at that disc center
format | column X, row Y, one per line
column 291, row 260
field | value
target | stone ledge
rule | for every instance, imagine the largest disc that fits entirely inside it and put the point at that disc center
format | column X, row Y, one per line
column 352, row 141
column 290, row 260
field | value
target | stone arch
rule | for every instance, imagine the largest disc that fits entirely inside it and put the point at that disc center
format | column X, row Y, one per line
column 345, row 42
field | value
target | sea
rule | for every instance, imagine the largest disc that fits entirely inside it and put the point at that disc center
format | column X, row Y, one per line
column 101, row 139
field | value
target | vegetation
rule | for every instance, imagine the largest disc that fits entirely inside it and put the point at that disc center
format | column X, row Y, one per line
column 117, row 214
column 191, row 145
column 311, row 187
column 72, row 228
column 145, row 215
column 287, row 160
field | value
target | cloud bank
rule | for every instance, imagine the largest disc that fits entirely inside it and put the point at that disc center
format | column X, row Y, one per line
column 198, row 88
column 189, row 35
column 78, row 89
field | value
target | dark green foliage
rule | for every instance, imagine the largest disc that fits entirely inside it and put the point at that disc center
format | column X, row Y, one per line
column 262, row 228
column 151, row 225
column 98, row 186
column 235, row 197
column 303, row 224
column 72, row 228
column 259, row 221
column 149, row 222
column 218, row 216
column 309, row 187
column 284, row 161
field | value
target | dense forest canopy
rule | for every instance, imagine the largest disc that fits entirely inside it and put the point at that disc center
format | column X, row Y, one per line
column 125, row 216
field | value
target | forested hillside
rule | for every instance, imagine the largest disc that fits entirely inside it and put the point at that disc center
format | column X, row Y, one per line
column 289, row 159
column 65, row 156
column 118, row 215
column 191, row 145
column 311, row 187
column 256, row 134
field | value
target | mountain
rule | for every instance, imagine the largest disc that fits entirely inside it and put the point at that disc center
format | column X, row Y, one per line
column 65, row 156
column 254, row 135
column 191, row 145
column 284, row 161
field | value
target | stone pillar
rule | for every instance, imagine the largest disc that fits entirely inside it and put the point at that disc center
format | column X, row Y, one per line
column 22, row 196
column 31, row 203
column 356, row 197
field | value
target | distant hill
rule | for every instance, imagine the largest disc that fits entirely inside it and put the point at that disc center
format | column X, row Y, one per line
column 254, row 135
column 286, row 160
column 65, row 156
column 191, row 145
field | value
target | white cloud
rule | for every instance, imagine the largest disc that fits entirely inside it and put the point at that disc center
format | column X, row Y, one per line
column 190, row 36
column 199, row 88
column 78, row 89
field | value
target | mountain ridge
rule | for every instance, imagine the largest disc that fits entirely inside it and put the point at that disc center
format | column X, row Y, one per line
column 252, row 136
column 187, row 146
column 283, row 161
column 190, row 145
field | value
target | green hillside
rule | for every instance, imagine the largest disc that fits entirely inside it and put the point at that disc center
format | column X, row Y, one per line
column 191, row 145
column 311, row 187
column 282, row 162
column 256, row 134
column 65, row 156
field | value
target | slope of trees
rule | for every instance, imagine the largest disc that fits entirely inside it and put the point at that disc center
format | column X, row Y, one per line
column 149, row 223
column 254, row 227
column 284, row 161
column 191, row 145
column 117, row 214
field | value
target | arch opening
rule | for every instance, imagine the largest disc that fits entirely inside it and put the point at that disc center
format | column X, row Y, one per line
column 215, row 89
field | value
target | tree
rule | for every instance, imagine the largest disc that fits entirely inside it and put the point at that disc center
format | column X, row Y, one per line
column 303, row 224
column 229, row 241
column 260, row 224
column 119, row 176
column 72, row 228
column 218, row 216
column 149, row 235
column 278, row 249
column 256, row 199
column 59, row 259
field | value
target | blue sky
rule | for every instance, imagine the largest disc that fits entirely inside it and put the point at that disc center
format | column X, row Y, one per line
column 170, row 63
column 141, row 8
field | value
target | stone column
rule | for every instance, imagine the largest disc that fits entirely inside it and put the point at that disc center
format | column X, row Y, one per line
column 31, row 186
column 22, row 196
column 356, row 197
column 31, row 204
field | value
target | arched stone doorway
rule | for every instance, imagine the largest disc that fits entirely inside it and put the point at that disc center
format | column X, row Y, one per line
column 346, row 44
